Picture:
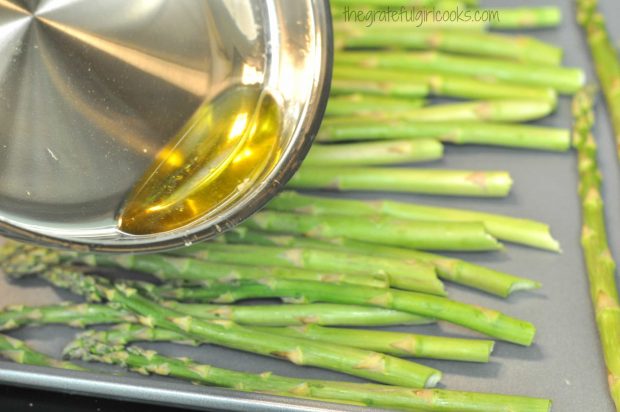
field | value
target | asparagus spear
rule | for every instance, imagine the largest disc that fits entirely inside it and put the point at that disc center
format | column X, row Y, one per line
column 605, row 59
column 375, row 153
column 438, row 84
column 394, row 343
column 483, row 320
column 83, row 314
column 520, row 48
column 406, row 275
column 498, row 110
column 385, row 230
column 527, row 18
column 412, row 90
column 150, row 362
column 599, row 260
column 167, row 267
column 18, row 352
column 96, row 289
column 424, row 181
column 300, row 314
column 564, row 80
column 495, row 134
column 79, row 316
column 364, row 104
column 177, row 268
column 355, row 362
column 454, row 270
column 523, row 231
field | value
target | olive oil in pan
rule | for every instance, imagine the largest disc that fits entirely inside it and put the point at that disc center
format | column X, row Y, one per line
column 229, row 143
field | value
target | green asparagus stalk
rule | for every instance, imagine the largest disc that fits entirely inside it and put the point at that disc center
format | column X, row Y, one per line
column 438, row 84
column 259, row 315
column 511, row 229
column 465, row 236
column 483, row 320
column 356, row 362
column 152, row 313
column 527, row 18
column 423, row 181
column 494, row 134
column 148, row 362
column 372, row 395
column 167, row 267
column 364, row 104
column 359, row 104
column 17, row 351
column 606, row 60
column 520, row 48
column 78, row 316
column 564, row 80
column 599, row 260
column 420, row 276
column 375, row 153
column 394, row 343
column 503, row 110
column 405, row 275
column 324, row 314
column 454, row 270
column 412, row 90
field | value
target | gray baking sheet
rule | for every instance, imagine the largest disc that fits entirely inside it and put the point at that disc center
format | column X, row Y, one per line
column 565, row 363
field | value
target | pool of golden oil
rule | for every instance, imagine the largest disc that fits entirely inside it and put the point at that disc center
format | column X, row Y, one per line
column 226, row 146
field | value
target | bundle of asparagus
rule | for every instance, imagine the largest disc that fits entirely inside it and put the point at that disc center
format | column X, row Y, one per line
column 369, row 354
column 450, row 269
column 103, row 348
column 377, row 96
column 311, row 345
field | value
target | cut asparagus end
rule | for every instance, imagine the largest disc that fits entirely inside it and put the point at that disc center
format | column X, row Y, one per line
column 433, row 380
column 524, row 285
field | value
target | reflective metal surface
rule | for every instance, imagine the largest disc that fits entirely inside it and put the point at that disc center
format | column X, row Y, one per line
column 91, row 90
